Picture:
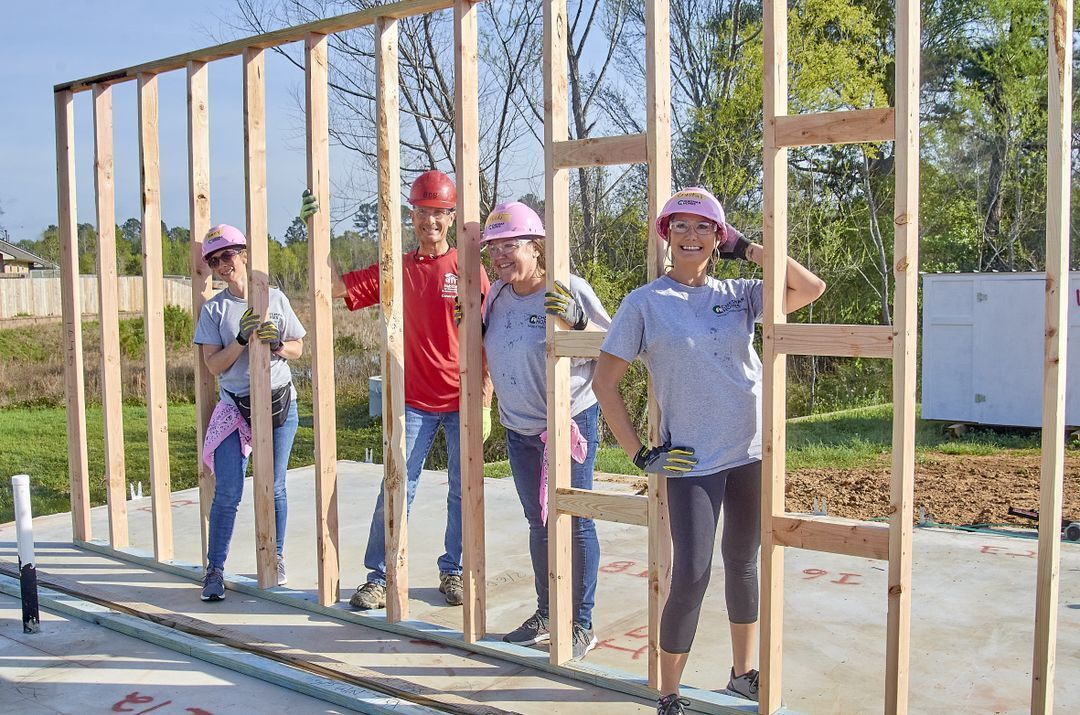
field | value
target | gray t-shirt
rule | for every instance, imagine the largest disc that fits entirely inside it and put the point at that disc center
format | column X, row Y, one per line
column 697, row 343
column 516, row 345
column 219, row 322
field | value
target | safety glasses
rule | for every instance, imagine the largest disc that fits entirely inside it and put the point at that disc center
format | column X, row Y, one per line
column 498, row 248
column 425, row 212
column 701, row 228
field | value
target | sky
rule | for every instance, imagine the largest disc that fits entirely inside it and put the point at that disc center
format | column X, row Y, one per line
column 58, row 41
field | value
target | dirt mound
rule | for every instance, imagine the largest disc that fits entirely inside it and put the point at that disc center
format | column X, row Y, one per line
column 954, row 489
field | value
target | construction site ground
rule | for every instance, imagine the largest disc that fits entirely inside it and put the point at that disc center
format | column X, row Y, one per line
column 971, row 627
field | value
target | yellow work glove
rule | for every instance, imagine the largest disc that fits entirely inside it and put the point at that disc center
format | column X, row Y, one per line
column 486, row 414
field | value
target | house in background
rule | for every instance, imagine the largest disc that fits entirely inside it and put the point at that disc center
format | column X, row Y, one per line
column 18, row 262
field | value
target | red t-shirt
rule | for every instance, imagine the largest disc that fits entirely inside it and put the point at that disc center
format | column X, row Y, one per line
column 432, row 379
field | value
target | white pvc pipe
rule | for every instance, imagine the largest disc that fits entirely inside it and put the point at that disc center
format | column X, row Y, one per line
column 24, row 530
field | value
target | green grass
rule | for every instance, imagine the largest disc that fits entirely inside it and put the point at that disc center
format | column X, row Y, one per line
column 33, row 441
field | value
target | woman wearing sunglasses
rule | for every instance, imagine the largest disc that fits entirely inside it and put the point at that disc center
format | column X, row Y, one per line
column 515, row 344
column 225, row 329
column 695, row 335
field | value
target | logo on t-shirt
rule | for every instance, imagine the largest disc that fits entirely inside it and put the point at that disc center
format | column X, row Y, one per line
column 538, row 321
column 729, row 307
column 449, row 285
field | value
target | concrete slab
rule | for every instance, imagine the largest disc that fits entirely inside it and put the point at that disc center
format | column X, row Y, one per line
column 77, row 667
column 971, row 628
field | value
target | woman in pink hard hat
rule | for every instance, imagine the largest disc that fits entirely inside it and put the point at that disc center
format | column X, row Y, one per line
column 695, row 335
column 226, row 327
column 515, row 342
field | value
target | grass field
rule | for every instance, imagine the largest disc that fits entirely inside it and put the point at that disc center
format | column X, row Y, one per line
column 33, row 441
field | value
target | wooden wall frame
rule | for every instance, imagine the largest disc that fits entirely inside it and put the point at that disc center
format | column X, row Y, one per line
column 779, row 530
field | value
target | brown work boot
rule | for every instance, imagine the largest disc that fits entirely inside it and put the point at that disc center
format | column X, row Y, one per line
column 451, row 586
column 369, row 596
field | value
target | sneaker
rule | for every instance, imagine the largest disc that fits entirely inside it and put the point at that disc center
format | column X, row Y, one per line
column 282, row 579
column 451, row 585
column 583, row 639
column 745, row 686
column 533, row 630
column 672, row 705
column 369, row 596
column 213, row 585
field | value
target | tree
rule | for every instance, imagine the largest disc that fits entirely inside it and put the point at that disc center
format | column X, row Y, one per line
column 296, row 232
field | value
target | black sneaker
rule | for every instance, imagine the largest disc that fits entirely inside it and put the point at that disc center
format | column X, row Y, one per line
column 451, row 586
column 369, row 596
column 672, row 705
column 533, row 630
column 583, row 639
column 213, row 585
column 745, row 686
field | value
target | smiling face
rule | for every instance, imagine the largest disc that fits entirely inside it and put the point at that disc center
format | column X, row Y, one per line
column 515, row 259
column 693, row 239
column 431, row 225
column 229, row 264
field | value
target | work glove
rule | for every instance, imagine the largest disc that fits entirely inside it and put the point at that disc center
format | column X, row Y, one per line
column 459, row 312
column 486, row 414
column 560, row 302
column 268, row 333
column 665, row 459
column 734, row 244
column 249, row 321
column 309, row 205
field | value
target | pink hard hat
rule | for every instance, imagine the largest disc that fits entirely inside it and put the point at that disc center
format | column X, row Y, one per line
column 512, row 219
column 222, row 236
column 692, row 200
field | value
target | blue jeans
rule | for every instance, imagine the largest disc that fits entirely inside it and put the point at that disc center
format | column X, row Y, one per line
column 420, row 429
column 229, row 468
column 526, row 459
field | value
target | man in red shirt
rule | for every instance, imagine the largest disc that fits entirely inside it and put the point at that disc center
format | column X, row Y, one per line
column 432, row 382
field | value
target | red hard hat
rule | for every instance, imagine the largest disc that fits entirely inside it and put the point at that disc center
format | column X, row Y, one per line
column 435, row 189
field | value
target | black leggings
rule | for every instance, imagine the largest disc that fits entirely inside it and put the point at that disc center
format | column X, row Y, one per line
column 693, row 509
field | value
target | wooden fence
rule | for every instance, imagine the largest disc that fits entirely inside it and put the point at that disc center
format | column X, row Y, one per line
column 41, row 297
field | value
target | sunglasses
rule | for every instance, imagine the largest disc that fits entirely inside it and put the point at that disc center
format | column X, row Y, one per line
column 227, row 255
column 701, row 228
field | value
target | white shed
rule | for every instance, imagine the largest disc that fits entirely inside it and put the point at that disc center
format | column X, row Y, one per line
column 982, row 348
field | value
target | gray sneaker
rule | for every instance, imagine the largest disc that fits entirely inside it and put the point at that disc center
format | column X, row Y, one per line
column 282, row 579
column 584, row 640
column 672, row 705
column 213, row 585
column 451, row 586
column 745, row 686
column 533, row 630
column 369, row 596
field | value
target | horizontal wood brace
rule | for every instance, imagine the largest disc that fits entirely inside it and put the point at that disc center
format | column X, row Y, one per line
column 851, row 127
column 604, row 506
column 340, row 23
column 871, row 341
column 600, row 151
column 866, row 539
column 579, row 343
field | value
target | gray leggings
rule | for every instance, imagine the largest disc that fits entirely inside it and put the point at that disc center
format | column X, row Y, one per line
column 694, row 508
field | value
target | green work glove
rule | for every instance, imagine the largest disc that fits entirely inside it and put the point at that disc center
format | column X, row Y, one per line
column 665, row 460
column 562, row 303
column 486, row 414
column 309, row 205
column 249, row 321
column 268, row 332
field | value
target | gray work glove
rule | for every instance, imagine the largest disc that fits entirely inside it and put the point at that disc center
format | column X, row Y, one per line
column 665, row 460
column 562, row 303
column 249, row 321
